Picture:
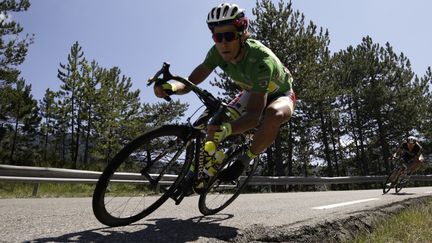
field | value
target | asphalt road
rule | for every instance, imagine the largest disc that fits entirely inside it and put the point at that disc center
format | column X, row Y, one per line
column 72, row 219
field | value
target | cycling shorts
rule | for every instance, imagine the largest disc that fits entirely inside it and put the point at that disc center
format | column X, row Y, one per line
column 238, row 105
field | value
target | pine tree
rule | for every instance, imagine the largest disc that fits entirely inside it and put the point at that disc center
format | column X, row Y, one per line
column 71, row 76
column 47, row 109
column 116, row 109
column 13, row 48
column 302, row 49
column 23, row 114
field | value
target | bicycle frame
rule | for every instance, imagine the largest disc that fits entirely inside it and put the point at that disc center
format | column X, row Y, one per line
column 216, row 112
column 398, row 174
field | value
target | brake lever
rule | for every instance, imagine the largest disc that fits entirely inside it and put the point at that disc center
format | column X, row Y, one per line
column 157, row 82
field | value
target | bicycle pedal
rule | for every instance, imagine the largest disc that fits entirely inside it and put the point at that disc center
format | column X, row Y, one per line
column 179, row 199
column 178, row 196
column 183, row 190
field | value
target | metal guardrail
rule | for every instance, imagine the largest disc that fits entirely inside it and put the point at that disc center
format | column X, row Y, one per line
column 36, row 175
column 46, row 174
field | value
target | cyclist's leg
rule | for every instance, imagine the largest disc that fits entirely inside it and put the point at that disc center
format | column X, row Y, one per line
column 415, row 164
column 394, row 175
column 279, row 111
column 276, row 113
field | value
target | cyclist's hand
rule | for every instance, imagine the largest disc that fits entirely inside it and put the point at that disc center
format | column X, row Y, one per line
column 222, row 132
column 164, row 90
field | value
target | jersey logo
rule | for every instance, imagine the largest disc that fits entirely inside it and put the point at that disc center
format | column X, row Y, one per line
column 263, row 84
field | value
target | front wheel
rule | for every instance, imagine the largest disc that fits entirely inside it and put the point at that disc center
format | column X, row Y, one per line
column 388, row 184
column 142, row 176
column 219, row 194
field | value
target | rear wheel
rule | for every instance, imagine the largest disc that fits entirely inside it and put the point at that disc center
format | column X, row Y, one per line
column 219, row 194
column 401, row 183
column 141, row 177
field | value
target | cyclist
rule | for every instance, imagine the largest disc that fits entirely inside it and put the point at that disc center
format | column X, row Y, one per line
column 410, row 151
column 266, row 95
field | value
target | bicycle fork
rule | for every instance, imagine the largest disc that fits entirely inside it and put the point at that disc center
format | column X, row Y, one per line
column 186, row 185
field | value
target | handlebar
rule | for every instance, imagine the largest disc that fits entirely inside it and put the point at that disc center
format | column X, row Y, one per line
column 207, row 98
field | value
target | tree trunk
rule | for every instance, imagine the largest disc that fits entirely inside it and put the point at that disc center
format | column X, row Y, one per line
column 290, row 150
column 359, row 127
column 326, row 144
column 270, row 161
column 385, row 152
column 12, row 152
column 335, row 148
column 279, row 167
column 78, row 135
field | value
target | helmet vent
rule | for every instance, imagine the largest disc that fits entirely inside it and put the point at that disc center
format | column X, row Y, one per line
column 225, row 10
column 234, row 11
column 218, row 13
column 212, row 13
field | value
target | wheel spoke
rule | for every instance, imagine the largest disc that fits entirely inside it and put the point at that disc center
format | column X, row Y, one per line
column 155, row 160
column 220, row 194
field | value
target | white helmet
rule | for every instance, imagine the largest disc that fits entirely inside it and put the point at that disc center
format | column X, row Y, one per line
column 411, row 139
column 227, row 13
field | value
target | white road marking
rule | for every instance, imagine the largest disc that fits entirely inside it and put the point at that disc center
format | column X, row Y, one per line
column 345, row 203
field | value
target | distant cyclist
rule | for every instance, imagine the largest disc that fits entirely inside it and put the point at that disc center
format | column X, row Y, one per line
column 266, row 95
column 410, row 151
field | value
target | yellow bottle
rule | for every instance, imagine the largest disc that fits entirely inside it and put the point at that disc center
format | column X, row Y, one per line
column 210, row 147
column 216, row 158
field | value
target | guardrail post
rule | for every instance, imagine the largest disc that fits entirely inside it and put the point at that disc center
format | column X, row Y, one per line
column 35, row 189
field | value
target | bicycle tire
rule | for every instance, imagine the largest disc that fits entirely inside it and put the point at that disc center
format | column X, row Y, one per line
column 215, row 185
column 153, row 154
column 401, row 183
column 387, row 187
column 398, row 187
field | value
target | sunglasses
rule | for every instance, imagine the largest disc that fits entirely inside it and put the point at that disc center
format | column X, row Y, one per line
column 228, row 36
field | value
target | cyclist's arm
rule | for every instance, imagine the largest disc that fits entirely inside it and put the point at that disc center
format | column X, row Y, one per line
column 398, row 151
column 199, row 74
column 254, row 109
column 420, row 150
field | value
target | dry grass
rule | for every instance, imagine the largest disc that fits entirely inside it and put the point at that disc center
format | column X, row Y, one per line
column 411, row 225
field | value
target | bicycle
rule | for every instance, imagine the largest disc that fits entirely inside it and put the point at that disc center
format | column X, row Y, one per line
column 400, row 175
column 158, row 165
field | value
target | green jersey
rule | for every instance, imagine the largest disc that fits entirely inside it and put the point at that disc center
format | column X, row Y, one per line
column 260, row 70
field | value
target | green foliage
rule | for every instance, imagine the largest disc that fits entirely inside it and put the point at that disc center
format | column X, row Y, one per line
column 18, row 109
column 25, row 190
column 23, row 120
column 95, row 114
column 13, row 48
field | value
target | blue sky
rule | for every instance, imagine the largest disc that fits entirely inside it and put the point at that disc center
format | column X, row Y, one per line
column 137, row 36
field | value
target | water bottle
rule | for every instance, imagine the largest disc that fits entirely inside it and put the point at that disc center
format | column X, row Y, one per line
column 216, row 158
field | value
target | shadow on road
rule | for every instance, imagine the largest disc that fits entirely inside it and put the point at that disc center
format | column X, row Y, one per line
column 157, row 230
column 403, row 193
